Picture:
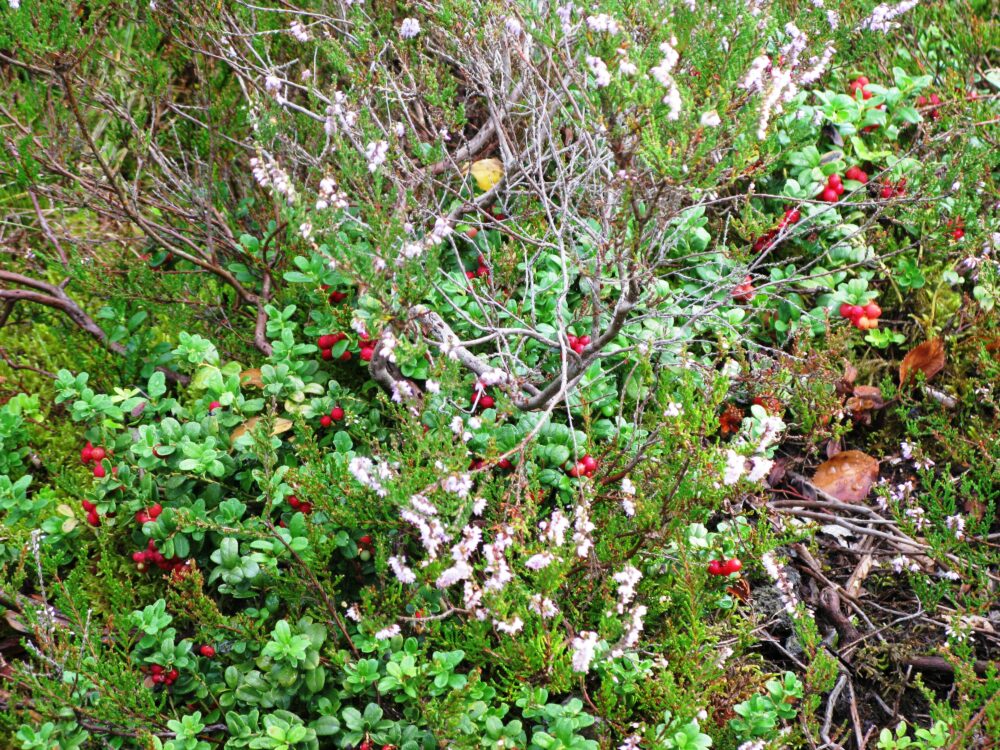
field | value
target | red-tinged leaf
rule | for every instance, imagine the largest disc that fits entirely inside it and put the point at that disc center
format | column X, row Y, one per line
column 848, row 476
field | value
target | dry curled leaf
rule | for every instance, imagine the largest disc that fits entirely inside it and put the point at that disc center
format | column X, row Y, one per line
column 252, row 377
column 866, row 399
column 280, row 425
column 848, row 476
column 928, row 358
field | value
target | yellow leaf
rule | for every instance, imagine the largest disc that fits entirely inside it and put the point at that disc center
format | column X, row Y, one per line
column 487, row 173
column 280, row 425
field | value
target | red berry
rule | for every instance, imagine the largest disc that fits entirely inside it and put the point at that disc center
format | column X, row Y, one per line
column 365, row 541
column 87, row 453
column 214, row 405
column 326, row 354
column 834, row 180
column 829, row 195
column 337, row 297
column 863, row 80
column 793, row 215
column 589, row 463
column 470, row 274
column 294, row 501
column 305, row 508
column 578, row 347
column 578, row 469
column 887, row 192
column 862, row 177
column 99, row 471
column 471, row 233
column 845, row 309
column 172, row 675
column 88, row 506
column 872, row 310
column 482, row 272
column 97, row 454
column 715, row 568
column 156, row 669
column 585, row 340
column 732, row 566
column 367, row 352
column 93, row 519
column 486, row 402
column 327, row 341
column 336, row 413
column 935, row 99
column 866, row 94
column 505, row 464
column 155, row 510
column 346, row 356
column 958, row 233
column 325, row 420
column 207, row 651
column 862, row 323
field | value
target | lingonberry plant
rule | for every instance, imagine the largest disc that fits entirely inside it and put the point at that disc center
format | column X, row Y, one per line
column 393, row 377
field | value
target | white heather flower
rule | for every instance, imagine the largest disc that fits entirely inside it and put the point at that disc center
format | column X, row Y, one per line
column 299, row 31
column 603, row 23
column 15, row 4
column 783, row 583
column 492, row 377
column 631, row 637
column 365, row 471
column 735, row 466
column 833, row 18
column 583, row 650
column 409, row 28
column 403, row 573
column 305, row 230
column 496, row 560
column 540, row 561
column 554, row 530
column 627, row 487
column 421, row 504
column 918, row 517
column 627, row 578
column 399, row 129
column 354, row 613
column 600, row 71
column 628, row 507
column 582, row 527
column 899, row 563
column 632, row 742
column 753, row 745
column 376, row 153
column 673, row 410
column 565, row 13
column 457, row 572
column 272, row 84
column 479, row 506
column 957, row 524
column 386, row 633
column 710, row 119
column 513, row 627
column 760, row 467
column 543, row 606
column 627, row 68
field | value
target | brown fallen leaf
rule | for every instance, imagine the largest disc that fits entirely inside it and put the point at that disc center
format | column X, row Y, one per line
column 928, row 358
column 280, row 425
column 848, row 476
column 252, row 377
column 866, row 399
column 845, row 386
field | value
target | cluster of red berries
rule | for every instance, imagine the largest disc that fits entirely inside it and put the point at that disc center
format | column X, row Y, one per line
column 859, row 84
column 863, row 317
column 366, row 548
column 725, row 567
column 833, row 190
column 162, row 676
column 889, row 189
column 480, row 399
column 957, row 228
column 585, row 467
column 326, row 344
column 744, row 292
column 367, row 744
column 367, row 347
column 857, row 174
column 933, row 101
column 791, row 216
column 336, row 414
column 147, row 515
column 335, row 297
column 91, row 510
column 578, row 343
column 94, row 454
column 482, row 270
column 154, row 556
column 303, row 507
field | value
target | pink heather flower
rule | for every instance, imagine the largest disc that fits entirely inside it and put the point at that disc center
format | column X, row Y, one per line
column 539, row 562
column 409, row 28
column 760, row 467
column 708, row 119
column 458, row 484
column 386, row 633
column 584, row 646
column 299, row 31
column 603, row 23
column 754, row 78
column 457, row 572
column 599, row 70
column 543, row 606
column 376, row 153
column 496, row 560
column 783, row 583
column 403, row 573
column 632, row 742
column 957, row 524
column 882, row 15
column 554, row 530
